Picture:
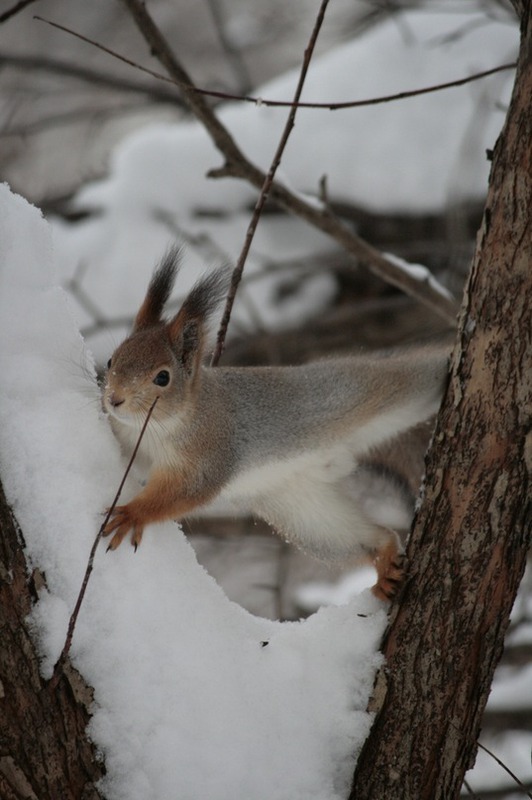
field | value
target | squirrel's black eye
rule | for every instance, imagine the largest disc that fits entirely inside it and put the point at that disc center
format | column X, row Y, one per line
column 109, row 364
column 162, row 378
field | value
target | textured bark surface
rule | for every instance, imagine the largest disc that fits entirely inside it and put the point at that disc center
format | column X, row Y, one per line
column 44, row 751
column 470, row 540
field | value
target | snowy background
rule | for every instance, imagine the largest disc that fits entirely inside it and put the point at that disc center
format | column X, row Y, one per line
column 194, row 695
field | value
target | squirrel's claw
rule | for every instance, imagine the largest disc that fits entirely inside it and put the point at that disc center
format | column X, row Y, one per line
column 391, row 571
column 137, row 536
column 120, row 524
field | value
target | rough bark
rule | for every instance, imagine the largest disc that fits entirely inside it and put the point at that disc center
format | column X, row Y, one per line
column 469, row 544
column 44, row 751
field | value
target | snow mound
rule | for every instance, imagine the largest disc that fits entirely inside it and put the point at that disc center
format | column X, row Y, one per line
column 194, row 697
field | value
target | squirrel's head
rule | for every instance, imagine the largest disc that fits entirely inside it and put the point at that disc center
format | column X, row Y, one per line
column 161, row 358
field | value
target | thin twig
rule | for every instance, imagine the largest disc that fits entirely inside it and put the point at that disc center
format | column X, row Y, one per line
column 58, row 668
column 438, row 87
column 470, row 790
column 506, row 769
column 105, row 49
column 371, row 101
column 265, row 190
column 263, row 101
column 15, row 9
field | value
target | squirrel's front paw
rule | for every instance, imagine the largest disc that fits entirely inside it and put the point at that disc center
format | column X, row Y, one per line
column 122, row 521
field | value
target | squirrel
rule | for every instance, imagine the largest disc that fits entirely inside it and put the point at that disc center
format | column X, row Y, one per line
column 281, row 440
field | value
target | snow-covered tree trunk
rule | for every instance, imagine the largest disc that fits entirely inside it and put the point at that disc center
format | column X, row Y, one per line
column 44, row 750
column 469, row 545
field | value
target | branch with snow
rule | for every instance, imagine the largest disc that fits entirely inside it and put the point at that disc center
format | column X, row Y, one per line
column 238, row 165
column 420, row 273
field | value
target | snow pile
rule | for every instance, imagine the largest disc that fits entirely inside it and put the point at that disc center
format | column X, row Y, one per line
column 194, row 697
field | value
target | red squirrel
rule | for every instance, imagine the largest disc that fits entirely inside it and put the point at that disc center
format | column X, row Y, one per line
column 282, row 441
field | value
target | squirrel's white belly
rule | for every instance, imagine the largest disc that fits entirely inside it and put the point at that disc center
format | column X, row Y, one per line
column 318, row 466
column 307, row 500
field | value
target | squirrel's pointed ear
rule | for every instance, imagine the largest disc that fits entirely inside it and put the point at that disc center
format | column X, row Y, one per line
column 158, row 291
column 188, row 329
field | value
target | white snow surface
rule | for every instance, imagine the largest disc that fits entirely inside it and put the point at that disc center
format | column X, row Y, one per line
column 189, row 701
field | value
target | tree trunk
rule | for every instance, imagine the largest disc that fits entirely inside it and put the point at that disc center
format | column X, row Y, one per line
column 44, row 750
column 469, row 544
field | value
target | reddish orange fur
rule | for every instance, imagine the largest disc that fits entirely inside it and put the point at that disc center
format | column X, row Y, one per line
column 159, row 500
column 389, row 562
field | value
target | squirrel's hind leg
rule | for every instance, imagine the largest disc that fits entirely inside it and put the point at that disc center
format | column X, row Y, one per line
column 323, row 519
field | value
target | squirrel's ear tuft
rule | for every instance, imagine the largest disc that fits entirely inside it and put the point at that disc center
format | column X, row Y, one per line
column 206, row 295
column 189, row 327
column 158, row 290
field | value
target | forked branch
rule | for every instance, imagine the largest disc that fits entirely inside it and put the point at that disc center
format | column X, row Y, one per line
column 237, row 165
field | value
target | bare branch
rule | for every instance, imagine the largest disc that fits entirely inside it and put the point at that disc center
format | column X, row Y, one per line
column 470, row 791
column 263, row 101
column 501, row 793
column 371, row 101
column 107, row 50
column 238, row 166
column 506, row 769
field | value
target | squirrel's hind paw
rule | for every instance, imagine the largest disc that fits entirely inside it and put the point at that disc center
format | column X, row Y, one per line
column 391, row 570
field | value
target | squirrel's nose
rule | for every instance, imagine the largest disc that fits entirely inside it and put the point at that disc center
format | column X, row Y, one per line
column 114, row 400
